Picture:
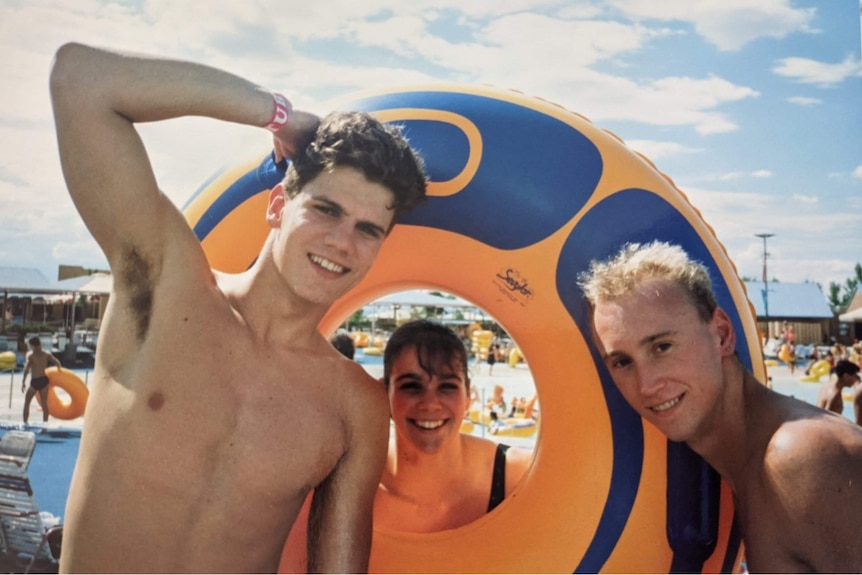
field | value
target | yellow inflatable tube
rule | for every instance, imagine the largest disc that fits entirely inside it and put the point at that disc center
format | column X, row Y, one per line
column 818, row 370
column 606, row 492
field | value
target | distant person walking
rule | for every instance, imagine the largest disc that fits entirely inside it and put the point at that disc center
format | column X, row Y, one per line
column 35, row 366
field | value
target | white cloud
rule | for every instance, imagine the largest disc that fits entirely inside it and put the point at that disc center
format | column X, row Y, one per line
column 804, row 101
column 761, row 174
column 805, row 199
column 807, row 71
column 857, row 173
column 736, row 216
column 656, row 150
column 727, row 24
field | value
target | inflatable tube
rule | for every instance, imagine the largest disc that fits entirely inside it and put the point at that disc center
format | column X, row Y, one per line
column 8, row 361
column 524, row 195
column 515, row 357
column 72, row 385
column 818, row 370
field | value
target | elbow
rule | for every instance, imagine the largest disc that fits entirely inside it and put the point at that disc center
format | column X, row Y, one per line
column 67, row 69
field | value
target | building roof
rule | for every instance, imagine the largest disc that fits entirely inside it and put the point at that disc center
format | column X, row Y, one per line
column 24, row 280
column 32, row 281
column 789, row 300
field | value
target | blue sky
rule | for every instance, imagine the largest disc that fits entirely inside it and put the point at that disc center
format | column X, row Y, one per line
column 753, row 107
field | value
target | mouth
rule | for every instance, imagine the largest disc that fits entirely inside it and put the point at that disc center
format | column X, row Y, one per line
column 662, row 407
column 428, row 424
column 328, row 265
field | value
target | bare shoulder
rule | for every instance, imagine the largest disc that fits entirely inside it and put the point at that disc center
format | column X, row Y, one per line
column 814, row 464
column 813, row 468
column 364, row 396
column 518, row 461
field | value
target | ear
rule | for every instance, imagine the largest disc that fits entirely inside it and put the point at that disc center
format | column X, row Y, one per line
column 275, row 206
column 725, row 331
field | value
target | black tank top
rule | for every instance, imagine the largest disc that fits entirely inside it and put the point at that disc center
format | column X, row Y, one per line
column 498, row 478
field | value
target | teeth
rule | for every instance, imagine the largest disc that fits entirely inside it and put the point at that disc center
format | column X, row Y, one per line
column 430, row 424
column 667, row 404
column 328, row 265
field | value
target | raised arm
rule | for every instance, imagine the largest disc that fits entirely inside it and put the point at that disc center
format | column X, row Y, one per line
column 340, row 522
column 97, row 97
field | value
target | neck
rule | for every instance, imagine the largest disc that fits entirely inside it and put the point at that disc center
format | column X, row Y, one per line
column 417, row 476
column 732, row 422
column 267, row 305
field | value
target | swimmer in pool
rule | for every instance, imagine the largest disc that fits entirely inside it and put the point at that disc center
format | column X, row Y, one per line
column 35, row 366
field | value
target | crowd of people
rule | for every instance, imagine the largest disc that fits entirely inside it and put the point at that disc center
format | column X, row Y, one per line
column 167, row 483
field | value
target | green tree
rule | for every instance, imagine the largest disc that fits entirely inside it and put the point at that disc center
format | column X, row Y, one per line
column 840, row 295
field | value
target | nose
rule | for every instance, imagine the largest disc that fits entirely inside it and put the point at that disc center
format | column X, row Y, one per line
column 340, row 236
column 650, row 380
column 429, row 400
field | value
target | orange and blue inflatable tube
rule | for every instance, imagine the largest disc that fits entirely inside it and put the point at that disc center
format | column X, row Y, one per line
column 524, row 194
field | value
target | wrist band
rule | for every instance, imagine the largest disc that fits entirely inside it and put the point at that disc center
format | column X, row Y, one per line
column 280, row 114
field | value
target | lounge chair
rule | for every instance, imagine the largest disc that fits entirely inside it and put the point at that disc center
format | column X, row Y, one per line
column 26, row 545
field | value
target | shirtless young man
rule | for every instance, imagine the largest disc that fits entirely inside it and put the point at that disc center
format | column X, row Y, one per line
column 846, row 375
column 35, row 366
column 795, row 470
column 216, row 404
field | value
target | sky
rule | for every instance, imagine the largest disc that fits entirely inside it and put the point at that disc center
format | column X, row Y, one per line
column 752, row 107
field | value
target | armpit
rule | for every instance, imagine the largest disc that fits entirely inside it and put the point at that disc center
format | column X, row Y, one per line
column 137, row 280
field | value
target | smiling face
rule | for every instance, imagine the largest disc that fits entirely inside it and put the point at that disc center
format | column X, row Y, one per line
column 329, row 234
column 664, row 358
column 427, row 408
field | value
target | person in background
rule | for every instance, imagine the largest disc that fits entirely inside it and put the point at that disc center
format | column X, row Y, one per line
column 35, row 365
column 216, row 404
column 344, row 344
column 846, row 374
column 795, row 470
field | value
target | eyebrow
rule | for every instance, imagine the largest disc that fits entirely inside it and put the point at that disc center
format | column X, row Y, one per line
column 644, row 341
column 655, row 336
column 335, row 205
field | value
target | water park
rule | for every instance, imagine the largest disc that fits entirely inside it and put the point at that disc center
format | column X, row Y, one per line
column 605, row 491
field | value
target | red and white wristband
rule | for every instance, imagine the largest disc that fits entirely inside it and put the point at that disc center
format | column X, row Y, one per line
column 280, row 114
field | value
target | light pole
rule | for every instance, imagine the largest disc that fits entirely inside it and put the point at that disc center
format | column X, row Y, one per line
column 765, row 283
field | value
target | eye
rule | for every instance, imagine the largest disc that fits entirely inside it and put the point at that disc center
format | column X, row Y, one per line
column 370, row 231
column 450, row 387
column 663, row 346
column 619, row 362
column 326, row 209
column 410, row 387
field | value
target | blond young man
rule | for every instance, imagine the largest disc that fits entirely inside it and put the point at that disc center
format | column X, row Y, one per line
column 216, row 404
column 795, row 470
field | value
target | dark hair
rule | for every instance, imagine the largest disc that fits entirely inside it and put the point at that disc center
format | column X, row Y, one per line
column 359, row 140
column 845, row 367
column 344, row 344
column 436, row 345
column 35, row 341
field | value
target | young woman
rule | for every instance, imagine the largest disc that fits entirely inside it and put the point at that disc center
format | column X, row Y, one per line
column 435, row 477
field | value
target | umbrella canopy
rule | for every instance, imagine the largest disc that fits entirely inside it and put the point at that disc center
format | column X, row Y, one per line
column 421, row 298
column 99, row 283
column 851, row 316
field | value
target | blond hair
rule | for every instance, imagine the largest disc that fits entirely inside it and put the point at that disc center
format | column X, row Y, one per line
column 635, row 263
